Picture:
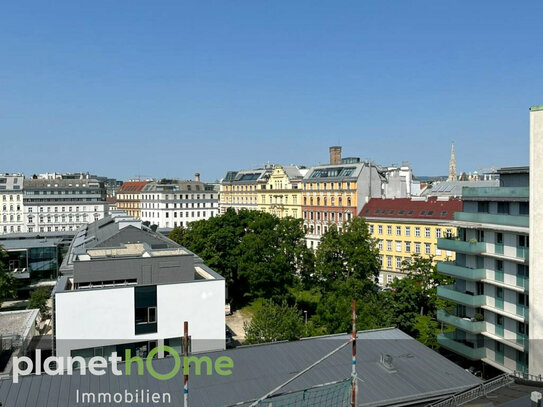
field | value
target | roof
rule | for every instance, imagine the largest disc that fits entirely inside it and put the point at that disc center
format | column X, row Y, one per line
column 246, row 177
column 23, row 244
column 334, row 172
column 132, row 187
column 30, row 183
column 523, row 169
column 177, row 186
column 17, row 322
column 433, row 208
column 419, row 374
column 454, row 188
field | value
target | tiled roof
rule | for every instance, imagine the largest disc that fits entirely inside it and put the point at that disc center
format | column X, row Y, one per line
column 132, row 187
column 408, row 208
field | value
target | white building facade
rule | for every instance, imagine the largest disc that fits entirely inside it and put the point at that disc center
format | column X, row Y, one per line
column 11, row 203
column 177, row 203
column 62, row 204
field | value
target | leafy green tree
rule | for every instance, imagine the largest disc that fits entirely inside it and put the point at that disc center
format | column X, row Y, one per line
column 275, row 322
column 38, row 299
column 178, row 235
column 7, row 281
column 351, row 253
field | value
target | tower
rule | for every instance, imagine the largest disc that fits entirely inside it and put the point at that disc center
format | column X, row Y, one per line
column 452, row 165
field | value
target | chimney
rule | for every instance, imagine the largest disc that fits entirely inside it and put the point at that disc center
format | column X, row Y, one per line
column 197, row 177
column 335, row 155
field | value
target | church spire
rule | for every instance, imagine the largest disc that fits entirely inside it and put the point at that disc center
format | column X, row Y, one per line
column 452, row 165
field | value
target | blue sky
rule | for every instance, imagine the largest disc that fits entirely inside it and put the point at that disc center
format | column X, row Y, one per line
column 168, row 88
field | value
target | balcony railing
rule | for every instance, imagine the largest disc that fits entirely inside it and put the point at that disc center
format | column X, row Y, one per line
column 496, row 192
column 452, row 269
column 464, row 324
column 523, row 253
column 461, row 246
column 494, row 219
column 449, row 292
column 523, row 311
column 448, row 341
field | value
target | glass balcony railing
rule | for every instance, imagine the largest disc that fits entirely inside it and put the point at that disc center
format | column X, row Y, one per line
column 523, row 311
column 465, row 324
column 498, row 248
column 465, row 349
column 451, row 269
column 523, row 281
column 461, row 246
column 466, row 298
column 523, row 253
column 496, row 192
column 494, row 219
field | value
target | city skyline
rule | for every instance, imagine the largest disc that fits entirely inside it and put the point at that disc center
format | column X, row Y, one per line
column 182, row 88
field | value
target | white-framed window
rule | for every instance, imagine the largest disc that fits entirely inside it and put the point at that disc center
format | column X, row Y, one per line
column 438, row 252
column 427, row 248
column 427, row 232
column 417, row 231
column 371, row 229
column 438, row 233
column 408, row 247
column 380, row 229
column 417, row 247
column 389, row 230
column 398, row 246
column 389, row 278
column 398, row 263
column 398, row 230
column 389, row 245
column 389, row 262
column 408, row 230
column 380, row 245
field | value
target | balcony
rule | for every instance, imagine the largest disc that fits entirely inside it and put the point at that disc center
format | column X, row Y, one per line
column 523, row 253
column 523, row 311
column 461, row 246
column 461, row 323
column 493, row 219
column 515, row 193
column 452, row 269
column 449, row 292
column 447, row 341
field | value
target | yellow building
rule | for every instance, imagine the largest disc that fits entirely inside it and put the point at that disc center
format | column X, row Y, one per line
column 280, row 192
column 408, row 226
column 239, row 188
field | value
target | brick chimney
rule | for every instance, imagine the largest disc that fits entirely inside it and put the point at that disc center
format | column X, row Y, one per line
column 197, row 177
column 335, row 155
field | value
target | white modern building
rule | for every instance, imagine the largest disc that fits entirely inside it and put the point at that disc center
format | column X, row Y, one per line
column 172, row 203
column 11, row 203
column 127, row 287
column 52, row 205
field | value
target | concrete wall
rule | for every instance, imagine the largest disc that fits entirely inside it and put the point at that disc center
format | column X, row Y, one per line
column 101, row 317
column 536, row 243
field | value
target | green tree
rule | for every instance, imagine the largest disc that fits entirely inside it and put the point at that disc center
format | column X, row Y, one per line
column 351, row 253
column 7, row 281
column 274, row 322
column 178, row 235
column 38, row 299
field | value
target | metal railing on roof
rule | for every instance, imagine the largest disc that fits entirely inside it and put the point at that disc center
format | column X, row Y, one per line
column 473, row 393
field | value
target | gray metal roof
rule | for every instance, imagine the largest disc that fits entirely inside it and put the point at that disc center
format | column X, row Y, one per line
column 420, row 374
column 454, row 188
column 23, row 244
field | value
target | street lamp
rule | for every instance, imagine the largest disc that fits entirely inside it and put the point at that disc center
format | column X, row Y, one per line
column 305, row 313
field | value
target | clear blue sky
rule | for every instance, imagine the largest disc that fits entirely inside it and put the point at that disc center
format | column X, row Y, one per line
column 168, row 88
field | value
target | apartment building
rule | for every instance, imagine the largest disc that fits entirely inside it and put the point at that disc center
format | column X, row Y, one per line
column 279, row 192
column 127, row 287
column 129, row 198
column 172, row 203
column 52, row 205
column 409, row 226
column 11, row 203
column 492, row 275
column 239, row 189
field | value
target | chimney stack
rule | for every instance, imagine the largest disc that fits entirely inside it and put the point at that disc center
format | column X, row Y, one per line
column 197, row 177
column 335, row 155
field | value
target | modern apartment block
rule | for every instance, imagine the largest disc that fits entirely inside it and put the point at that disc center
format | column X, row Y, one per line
column 280, row 192
column 409, row 226
column 492, row 275
column 127, row 287
column 129, row 198
column 172, row 203
column 52, row 205
column 11, row 203
column 239, row 189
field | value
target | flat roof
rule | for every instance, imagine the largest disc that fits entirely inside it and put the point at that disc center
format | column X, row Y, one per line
column 17, row 322
column 23, row 244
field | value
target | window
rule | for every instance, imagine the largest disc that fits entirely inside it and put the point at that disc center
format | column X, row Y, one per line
column 380, row 245
column 408, row 247
column 499, row 238
column 438, row 233
column 380, row 229
column 389, row 230
column 503, row 208
column 523, row 208
column 389, row 245
column 389, row 278
column 427, row 248
column 398, row 230
column 427, row 232
column 499, row 292
column 417, row 247
column 398, row 263
column 389, row 262
column 482, row 207
column 145, row 309
column 408, row 230
column 417, row 231
column 371, row 229
column 398, row 246
column 523, row 241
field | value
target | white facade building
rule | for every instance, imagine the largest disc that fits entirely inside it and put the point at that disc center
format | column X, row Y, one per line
column 177, row 203
column 62, row 204
column 11, row 203
column 117, row 295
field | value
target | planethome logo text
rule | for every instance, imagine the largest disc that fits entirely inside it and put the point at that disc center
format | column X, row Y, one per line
column 98, row 365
